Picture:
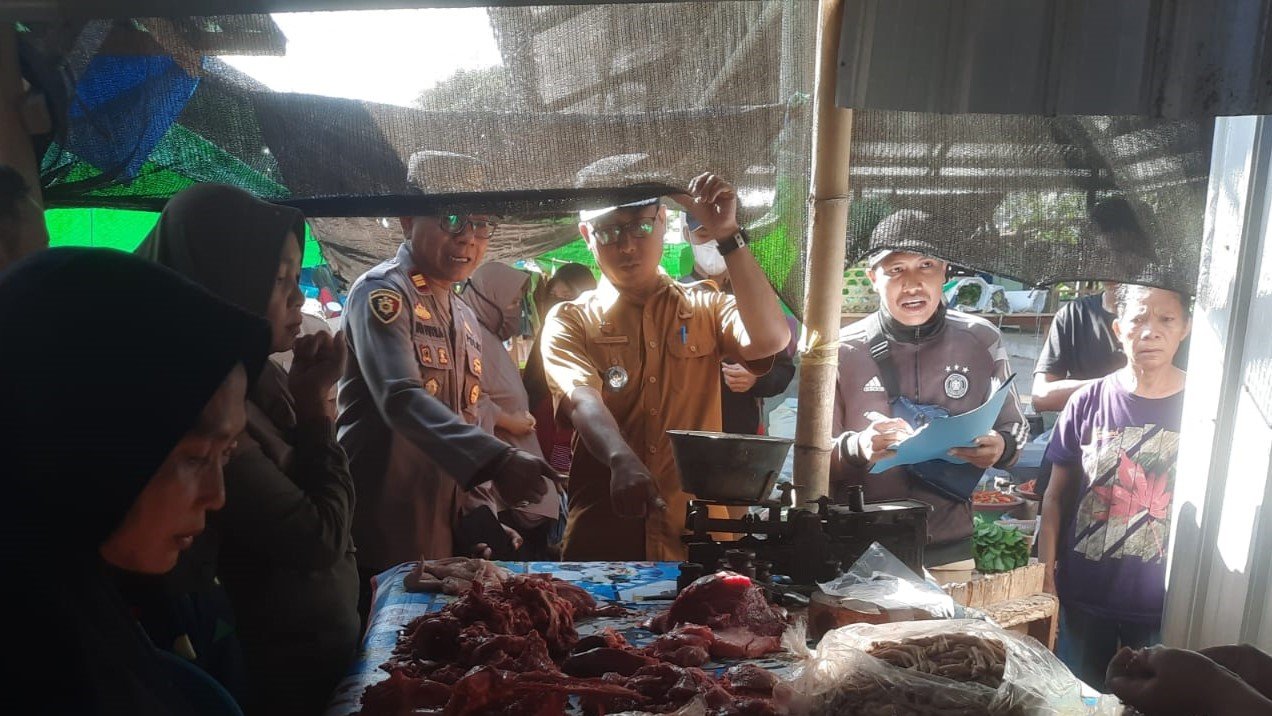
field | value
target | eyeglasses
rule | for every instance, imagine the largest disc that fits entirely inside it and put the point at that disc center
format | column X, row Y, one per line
column 638, row 229
column 454, row 224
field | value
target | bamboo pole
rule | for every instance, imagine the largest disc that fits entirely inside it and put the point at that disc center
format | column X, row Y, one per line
column 819, row 345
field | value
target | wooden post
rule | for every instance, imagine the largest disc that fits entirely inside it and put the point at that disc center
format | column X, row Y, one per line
column 823, row 291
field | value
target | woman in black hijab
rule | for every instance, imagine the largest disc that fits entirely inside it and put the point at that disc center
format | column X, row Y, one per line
column 286, row 555
column 112, row 436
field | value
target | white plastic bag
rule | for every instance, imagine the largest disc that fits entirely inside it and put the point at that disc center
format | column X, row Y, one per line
column 976, row 295
column 879, row 578
column 841, row 678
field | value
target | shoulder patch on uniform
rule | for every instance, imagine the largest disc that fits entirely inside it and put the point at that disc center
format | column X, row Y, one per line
column 386, row 304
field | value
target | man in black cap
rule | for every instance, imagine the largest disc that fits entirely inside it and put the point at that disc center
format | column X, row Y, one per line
column 908, row 362
column 641, row 355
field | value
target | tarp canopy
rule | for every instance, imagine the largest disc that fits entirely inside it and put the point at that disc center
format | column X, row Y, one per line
column 583, row 105
column 124, row 229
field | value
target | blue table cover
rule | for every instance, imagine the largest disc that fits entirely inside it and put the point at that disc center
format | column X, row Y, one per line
column 623, row 582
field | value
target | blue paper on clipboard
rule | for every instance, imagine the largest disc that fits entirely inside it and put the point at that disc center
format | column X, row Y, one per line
column 934, row 440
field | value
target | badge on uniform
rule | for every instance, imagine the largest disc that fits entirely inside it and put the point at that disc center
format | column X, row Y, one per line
column 474, row 394
column 477, row 367
column 386, row 304
column 616, row 378
column 421, row 283
column 956, row 383
column 422, row 313
column 426, row 355
column 442, row 357
column 432, row 386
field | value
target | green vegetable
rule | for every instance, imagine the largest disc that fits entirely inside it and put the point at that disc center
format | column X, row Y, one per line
column 998, row 548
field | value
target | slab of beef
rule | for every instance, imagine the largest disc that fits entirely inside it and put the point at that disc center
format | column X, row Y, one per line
column 744, row 624
column 584, row 605
column 486, row 691
column 512, row 649
column 686, row 645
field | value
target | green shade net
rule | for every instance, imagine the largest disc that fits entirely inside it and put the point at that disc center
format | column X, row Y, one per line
column 124, row 229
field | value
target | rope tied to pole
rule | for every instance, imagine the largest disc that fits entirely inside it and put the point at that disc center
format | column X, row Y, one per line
column 813, row 350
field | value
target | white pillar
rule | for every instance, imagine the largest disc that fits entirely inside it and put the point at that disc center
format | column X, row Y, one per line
column 1220, row 569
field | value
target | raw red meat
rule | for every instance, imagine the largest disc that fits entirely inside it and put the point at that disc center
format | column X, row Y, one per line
column 584, row 604
column 604, row 660
column 402, row 694
column 496, row 650
column 485, row 691
column 686, row 645
column 607, row 637
column 745, row 625
column 749, row 679
column 742, row 643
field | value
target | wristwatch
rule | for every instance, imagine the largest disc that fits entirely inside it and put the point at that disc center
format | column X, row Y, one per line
column 733, row 243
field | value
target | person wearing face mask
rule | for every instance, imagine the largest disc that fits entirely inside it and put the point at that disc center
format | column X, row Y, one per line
column 495, row 293
column 286, row 555
column 408, row 414
column 912, row 360
column 742, row 392
column 110, row 472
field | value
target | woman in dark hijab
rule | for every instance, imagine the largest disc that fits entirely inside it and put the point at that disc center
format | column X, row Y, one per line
column 112, row 435
column 286, row 555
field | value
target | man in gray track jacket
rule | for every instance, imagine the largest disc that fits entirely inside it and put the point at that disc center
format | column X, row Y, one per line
column 911, row 360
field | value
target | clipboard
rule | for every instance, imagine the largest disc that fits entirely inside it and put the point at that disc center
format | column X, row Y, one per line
column 934, row 440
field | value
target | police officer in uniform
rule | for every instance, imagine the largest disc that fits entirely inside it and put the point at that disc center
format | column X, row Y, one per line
column 911, row 361
column 408, row 399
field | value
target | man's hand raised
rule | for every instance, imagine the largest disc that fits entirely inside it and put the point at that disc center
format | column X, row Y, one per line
column 713, row 202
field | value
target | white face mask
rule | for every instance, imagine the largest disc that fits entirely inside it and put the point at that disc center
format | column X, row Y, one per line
column 707, row 257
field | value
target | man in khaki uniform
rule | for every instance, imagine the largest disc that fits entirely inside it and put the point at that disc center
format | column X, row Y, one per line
column 408, row 399
column 640, row 355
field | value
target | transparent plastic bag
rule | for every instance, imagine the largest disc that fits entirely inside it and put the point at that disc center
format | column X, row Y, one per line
column 879, row 578
column 840, row 677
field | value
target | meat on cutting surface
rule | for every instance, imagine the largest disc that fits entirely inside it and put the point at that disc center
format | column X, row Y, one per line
column 745, row 625
column 686, row 645
column 497, row 650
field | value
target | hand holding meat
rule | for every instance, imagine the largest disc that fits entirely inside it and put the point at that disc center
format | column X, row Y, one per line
column 632, row 489
column 988, row 450
column 318, row 360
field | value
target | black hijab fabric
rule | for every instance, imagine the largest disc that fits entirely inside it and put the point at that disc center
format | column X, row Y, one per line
column 106, row 361
column 226, row 240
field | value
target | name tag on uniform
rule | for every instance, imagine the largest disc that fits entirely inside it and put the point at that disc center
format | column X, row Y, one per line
column 431, row 331
column 612, row 340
